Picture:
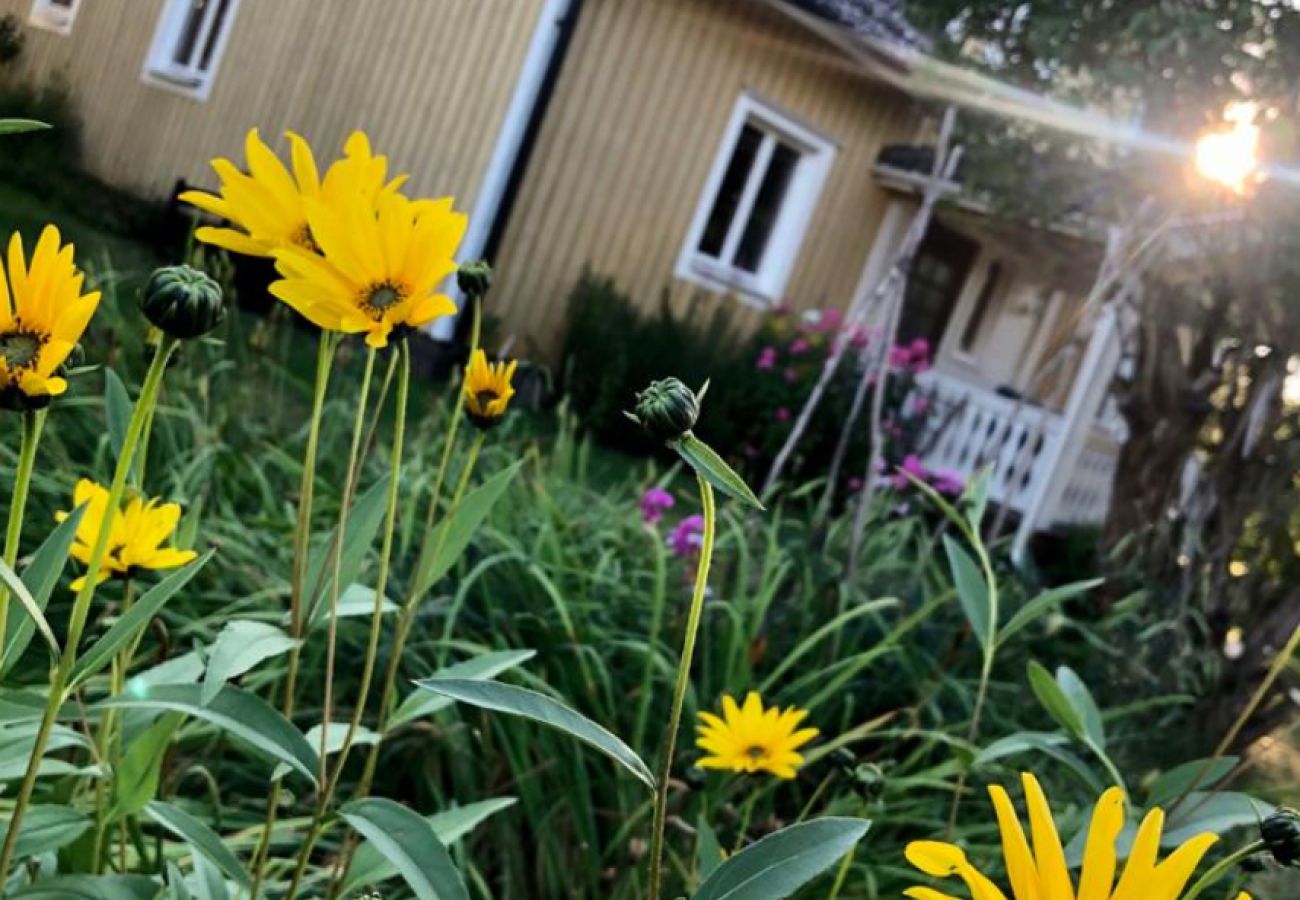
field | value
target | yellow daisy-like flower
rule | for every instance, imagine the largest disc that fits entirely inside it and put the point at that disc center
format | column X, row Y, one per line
column 266, row 204
column 488, row 389
column 379, row 266
column 1040, row 873
column 136, row 539
column 43, row 314
column 752, row 739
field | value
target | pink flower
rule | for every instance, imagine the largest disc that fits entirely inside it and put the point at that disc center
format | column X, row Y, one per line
column 948, row 482
column 920, row 406
column 900, row 356
column 687, row 536
column 831, row 320
column 912, row 466
column 798, row 346
column 653, row 503
column 782, row 414
column 854, row 484
column 791, row 375
column 920, row 349
column 766, row 359
column 860, row 338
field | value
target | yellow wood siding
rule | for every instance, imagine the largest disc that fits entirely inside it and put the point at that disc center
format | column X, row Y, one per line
column 632, row 132
column 430, row 81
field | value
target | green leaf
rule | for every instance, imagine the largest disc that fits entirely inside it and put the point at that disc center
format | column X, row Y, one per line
column 369, row 867
column 708, row 849
column 117, row 410
column 19, row 126
column 481, row 668
column 977, row 497
column 471, row 513
column 134, row 620
column 237, row 712
column 781, row 863
column 409, row 842
column 1054, row 700
column 40, row 576
column 1199, row 773
column 356, row 600
column 207, row 882
column 47, row 828
column 1080, row 698
column 1214, row 813
column 364, row 519
column 240, row 646
column 972, row 590
column 338, row 731
column 518, row 701
column 91, row 887
column 202, row 839
column 713, row 469
column 1044, row 603
column 135, row 778
column 9, row 579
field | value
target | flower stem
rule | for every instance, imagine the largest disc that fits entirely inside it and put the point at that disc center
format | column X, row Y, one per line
column 1222, row 867
column 679, row 692
column 33, row 425
column 81, row 604
column 301, row 541
column 331, row 641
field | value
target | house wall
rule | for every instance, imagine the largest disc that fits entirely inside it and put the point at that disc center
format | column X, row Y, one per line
column 429, row 80
column 636, row 121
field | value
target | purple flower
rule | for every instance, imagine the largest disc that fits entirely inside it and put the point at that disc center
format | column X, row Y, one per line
column 920, row 406
column 900, row 356
column 912, row 466
column 687, row 536
column 920, row 350
column 653, row 503
column 799, row 345
column 854, row 484
column 948, row 482
column 766, row 359
column 782, row 414
column 831, row 320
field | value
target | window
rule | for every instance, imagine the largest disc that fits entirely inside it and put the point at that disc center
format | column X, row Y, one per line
column 970, row 332
column 188, row 43
column 54, row 15
column 939, row 271
column 756, row 203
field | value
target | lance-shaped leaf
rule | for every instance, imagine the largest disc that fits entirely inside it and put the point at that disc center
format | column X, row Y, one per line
column 40, row 576
column 363, row 523
column 91, row 887
column 489, row 665
column 713, row 469
column 518, row 701
column 19, row 126
column 240, row 714
column 408, row 841
column 444, row 550
column 9, row 579
column 781, row 863
column 47, row 828
column 202, row 839
column 240, row 646
column 135, row 779
column 117, row 410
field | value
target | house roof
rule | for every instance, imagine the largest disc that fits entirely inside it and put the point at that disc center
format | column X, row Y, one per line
column 880, row 19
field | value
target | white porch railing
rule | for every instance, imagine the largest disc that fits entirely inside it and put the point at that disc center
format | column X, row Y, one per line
column 973, row 427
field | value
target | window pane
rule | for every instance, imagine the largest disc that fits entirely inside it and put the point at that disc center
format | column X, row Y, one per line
column 189, row 34
column 733, row 185
column 982, row 302
column 62, row 4
column 767, row 206
column 214, row 33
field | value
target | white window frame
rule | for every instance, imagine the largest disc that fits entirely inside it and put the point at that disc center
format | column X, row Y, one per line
column 51, row 17
column 817, row 152
column 159, row 68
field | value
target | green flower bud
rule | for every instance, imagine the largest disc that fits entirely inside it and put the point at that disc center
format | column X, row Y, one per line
column 474, row 278
column 667, row 409
column 183, row 302
column 1281, row 835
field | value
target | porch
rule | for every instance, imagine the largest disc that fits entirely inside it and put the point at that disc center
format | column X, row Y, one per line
column 973, row 427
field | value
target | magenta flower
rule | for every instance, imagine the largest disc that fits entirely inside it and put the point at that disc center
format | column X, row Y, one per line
column 831, row 320
column 854, row 484
column 912, row 466
column 900, row 356
column 782, row 414
column 920, row 406
column 653, row 504
column 687, row 536
column 799, row 345
column 948, row 482
column 766, row 359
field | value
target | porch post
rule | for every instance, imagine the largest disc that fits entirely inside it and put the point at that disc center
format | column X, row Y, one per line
column 1087, row 393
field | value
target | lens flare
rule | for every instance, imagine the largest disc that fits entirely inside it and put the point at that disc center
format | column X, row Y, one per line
column 1229, row 154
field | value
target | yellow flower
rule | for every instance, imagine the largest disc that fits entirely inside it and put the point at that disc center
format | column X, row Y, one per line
column 487, row 389
column 1042, row 874
column 266, row 204
column 42, row 316
column 751, row 739
column 379, row 266
column 135, row 541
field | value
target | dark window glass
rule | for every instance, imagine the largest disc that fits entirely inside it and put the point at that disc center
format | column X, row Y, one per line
column 767, row 205
column 66, row 4
column 733, row 185
column 982, row 303
column 189, row 38
column 214, row 33
column 938, row 272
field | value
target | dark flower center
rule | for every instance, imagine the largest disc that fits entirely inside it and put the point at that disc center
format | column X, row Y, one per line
column 756, row 752
column 305, row 239
column 486, row 397
column 20, row 347
column 381, row 297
